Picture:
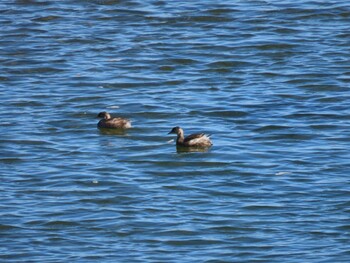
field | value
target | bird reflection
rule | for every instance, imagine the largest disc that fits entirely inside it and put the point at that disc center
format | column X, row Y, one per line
column 182, row 149
column 113, row 131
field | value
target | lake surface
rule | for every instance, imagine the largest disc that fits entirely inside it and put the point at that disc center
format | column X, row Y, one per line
column 269, row 80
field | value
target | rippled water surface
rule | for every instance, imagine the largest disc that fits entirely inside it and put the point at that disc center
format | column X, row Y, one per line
column 269, row 80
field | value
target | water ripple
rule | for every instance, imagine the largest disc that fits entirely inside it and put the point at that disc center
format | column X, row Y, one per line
column 267, row 80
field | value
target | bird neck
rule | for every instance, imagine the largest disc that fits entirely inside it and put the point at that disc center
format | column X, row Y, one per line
column 180, row 137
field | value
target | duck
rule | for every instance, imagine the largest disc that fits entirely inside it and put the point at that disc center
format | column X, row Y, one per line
column 193, row 140
column 112, row 123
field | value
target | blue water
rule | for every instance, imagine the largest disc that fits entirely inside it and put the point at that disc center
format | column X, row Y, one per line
column 269, row 80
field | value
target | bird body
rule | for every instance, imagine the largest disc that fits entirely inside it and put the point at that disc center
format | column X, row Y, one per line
column 108, row 122
column 193, row 140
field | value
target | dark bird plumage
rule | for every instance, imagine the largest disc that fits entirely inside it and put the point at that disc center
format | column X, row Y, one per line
column 112, row 123
column 193, row 140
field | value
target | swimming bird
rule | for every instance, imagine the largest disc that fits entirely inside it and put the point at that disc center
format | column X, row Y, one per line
column 112, row 123
column 193, row 140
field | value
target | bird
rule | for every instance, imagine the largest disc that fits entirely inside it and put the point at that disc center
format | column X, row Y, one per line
column 193, row 140
column 112, row 123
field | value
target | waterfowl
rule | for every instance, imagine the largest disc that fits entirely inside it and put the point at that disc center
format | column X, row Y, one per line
column 112, row 123
column 193, row 140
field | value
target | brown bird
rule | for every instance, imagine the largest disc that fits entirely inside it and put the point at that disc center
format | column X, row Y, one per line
column 112, row 123
column 193, row 140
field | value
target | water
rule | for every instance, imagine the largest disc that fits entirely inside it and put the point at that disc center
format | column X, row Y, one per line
column 269, row 81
